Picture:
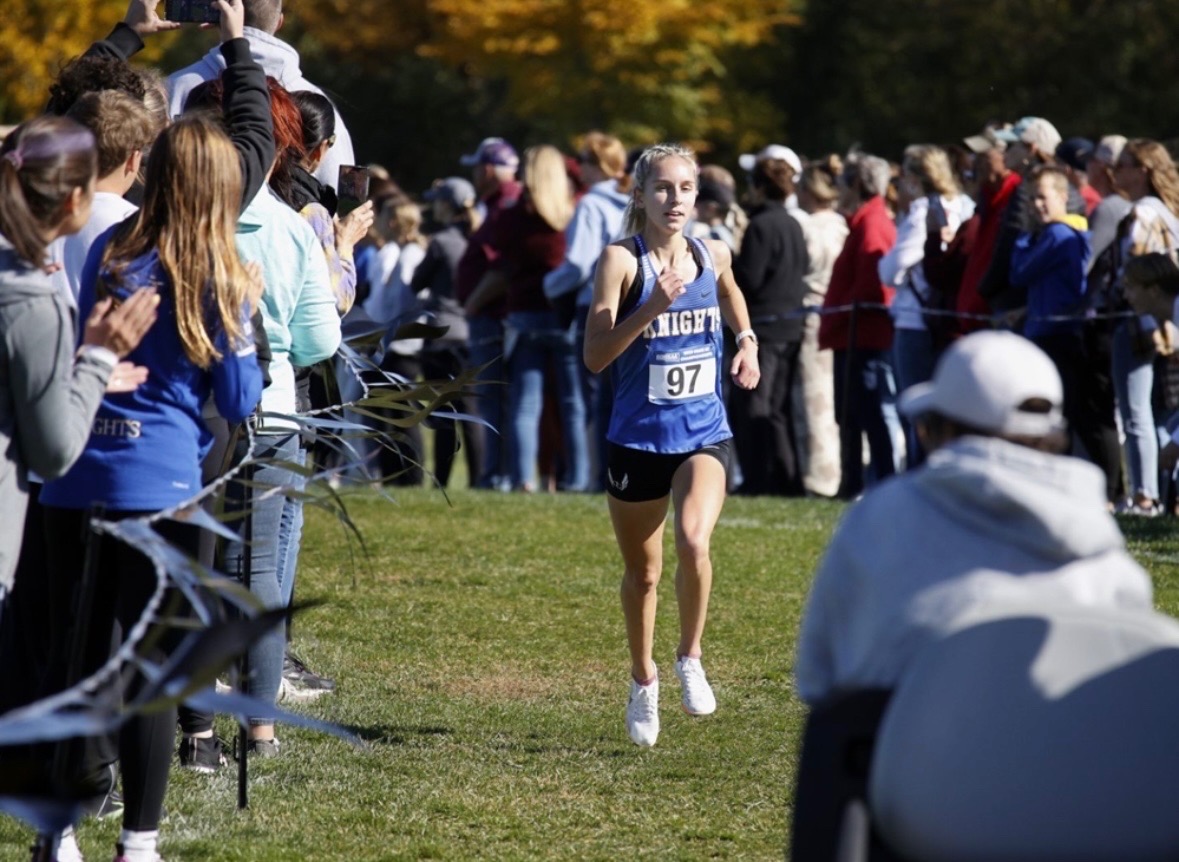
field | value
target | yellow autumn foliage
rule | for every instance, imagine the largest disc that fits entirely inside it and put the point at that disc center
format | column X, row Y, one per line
column 639, row 69
column 38, row 36
column 643, row 69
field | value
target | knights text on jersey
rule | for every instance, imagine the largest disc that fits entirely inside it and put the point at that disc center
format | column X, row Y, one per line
column 667, row 383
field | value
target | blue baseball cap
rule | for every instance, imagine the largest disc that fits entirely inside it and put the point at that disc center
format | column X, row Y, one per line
column 454, row 190
column 492, row 151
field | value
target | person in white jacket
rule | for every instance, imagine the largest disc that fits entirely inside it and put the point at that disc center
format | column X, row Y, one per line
column 995, row 515
column 281, row 62
column 935, row 202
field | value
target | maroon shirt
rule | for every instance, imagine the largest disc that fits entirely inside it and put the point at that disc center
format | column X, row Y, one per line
column 528, row 251
column 481, row 250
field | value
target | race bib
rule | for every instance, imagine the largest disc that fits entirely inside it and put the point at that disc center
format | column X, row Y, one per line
column 682, row 375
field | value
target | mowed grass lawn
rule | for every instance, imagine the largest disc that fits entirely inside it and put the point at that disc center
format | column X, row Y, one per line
column 479, row 652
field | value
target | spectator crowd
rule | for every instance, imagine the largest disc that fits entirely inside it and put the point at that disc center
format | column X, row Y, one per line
column 211, row 200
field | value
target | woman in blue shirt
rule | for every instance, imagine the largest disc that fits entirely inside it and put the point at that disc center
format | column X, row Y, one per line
column 656, row 322
column 146, row 446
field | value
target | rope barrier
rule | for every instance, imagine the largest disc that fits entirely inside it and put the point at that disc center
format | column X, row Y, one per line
column 995, row 318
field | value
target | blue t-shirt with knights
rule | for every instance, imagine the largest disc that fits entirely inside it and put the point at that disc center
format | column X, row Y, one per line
column 667, row 383
column 146, row 446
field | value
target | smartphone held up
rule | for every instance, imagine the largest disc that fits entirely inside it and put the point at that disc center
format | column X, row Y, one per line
column 194, row 11
column 351, row 188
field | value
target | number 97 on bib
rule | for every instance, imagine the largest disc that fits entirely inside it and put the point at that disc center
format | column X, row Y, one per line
column 680, row 377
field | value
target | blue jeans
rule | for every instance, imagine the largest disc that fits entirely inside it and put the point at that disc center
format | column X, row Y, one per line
column 266, row 656
column 541, row 344
column 913, row 360
column 595, row 392
column 1167, row 480
column 290, row 535
column 1133, row 378
column 485, row 346
column 862, row 406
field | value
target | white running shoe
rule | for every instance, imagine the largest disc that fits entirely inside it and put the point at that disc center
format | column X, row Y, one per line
column 642, row 713
column 68, row 850
column 698, row 697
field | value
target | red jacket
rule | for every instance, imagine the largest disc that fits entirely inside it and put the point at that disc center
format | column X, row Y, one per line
column 994, row 202
column 854, row 278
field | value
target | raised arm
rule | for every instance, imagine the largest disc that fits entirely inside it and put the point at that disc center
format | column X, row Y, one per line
column 126, row 39
column 605, row 338
column 245, row 102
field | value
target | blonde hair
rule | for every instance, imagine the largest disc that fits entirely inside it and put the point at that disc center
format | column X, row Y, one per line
column 819, row 182
column 608, row 153
column 1056, row 176
column 121, row 126
column 155, row 97
column 405, row 221
column 189, row 215
column 548, row 185
column 931, row 165
column 634, row 219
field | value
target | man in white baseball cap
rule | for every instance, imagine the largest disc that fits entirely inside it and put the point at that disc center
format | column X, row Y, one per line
column 1036, row 133
column 773, row 151
column 994, row 515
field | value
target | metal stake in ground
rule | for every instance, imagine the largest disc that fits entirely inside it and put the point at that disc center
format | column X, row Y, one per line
column 243, row 736
column 848, row 358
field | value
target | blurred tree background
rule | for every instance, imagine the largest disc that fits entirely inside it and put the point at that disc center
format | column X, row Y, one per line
column 420, row 81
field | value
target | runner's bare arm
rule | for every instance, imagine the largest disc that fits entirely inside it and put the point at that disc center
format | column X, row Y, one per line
column 745, row 369
column 605, row 338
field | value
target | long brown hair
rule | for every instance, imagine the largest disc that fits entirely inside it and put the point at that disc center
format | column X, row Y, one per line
column 1160, row 167
column 41, row 163
column 189, row 215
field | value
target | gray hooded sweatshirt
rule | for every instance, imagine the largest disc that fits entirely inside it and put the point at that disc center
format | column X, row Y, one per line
column 48, row 398
column 985, row 521
column 281, row 62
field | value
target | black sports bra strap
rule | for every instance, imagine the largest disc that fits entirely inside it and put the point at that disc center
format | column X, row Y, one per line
column 635, row 292
column 645, row 267
column 700, row 253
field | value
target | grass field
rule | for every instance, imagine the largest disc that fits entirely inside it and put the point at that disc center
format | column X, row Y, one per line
column 479, row 652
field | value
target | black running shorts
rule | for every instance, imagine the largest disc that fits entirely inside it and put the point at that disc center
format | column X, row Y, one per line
column 636, row 476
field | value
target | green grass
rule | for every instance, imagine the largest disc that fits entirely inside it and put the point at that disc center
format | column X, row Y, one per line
column 480, row 653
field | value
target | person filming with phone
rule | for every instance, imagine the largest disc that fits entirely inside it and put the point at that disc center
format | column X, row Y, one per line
column 280, row 61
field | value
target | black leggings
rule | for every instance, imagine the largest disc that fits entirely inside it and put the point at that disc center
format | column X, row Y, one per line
column 442, row 364
column 125, row 581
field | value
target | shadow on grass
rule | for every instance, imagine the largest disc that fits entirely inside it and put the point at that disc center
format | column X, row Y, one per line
column 598, row 746
column 1148, row 529
column 395, row 734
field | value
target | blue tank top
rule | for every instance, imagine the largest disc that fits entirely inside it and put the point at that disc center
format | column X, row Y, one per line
column 667, row 383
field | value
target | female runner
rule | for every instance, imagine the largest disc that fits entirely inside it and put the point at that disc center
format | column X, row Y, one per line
column 656, row 322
